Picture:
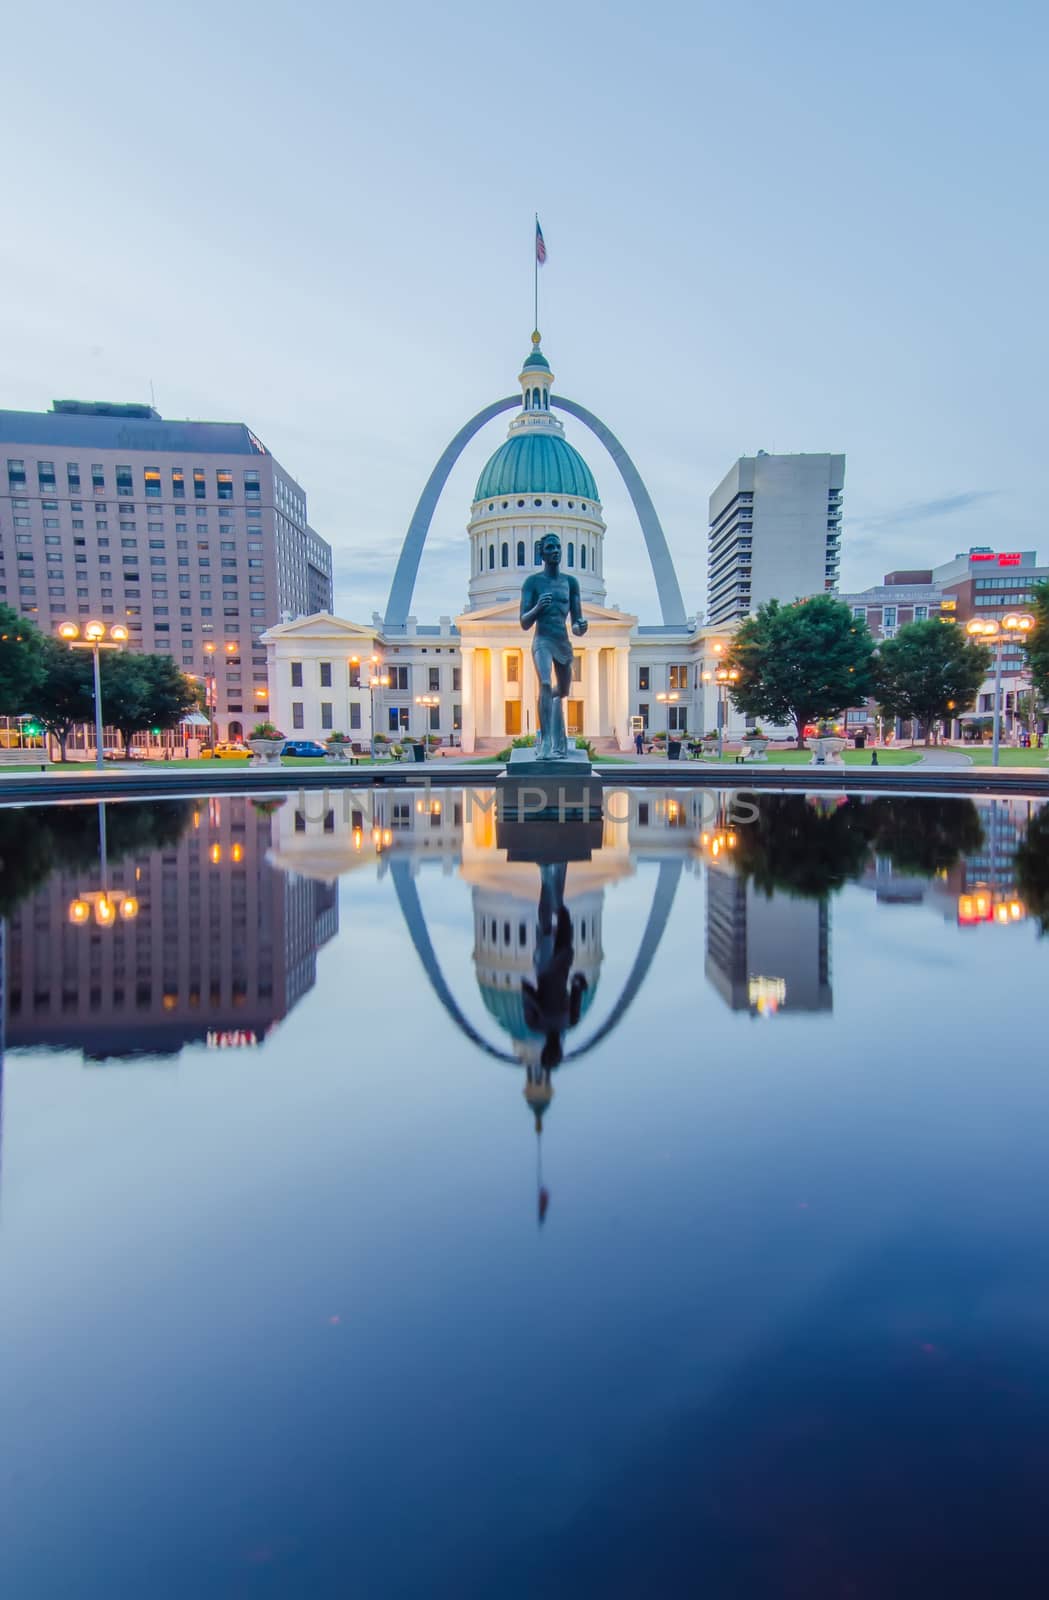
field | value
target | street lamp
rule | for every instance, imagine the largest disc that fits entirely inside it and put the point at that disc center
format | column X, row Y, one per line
column 1014, row 625
column 723, row 676
column 94, row 640
column 427, row 700
column 377, row 679
column 108, row 905
column 668, row 700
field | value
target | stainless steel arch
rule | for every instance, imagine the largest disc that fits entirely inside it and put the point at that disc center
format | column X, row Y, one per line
column 402, row 588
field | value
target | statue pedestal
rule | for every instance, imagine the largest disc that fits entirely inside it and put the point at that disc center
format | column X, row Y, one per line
column 562, row 790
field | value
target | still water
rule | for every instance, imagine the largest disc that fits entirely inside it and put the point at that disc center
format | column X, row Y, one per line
column 391, row 1206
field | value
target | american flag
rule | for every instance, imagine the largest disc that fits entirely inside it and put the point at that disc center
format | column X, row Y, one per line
column 540, row 243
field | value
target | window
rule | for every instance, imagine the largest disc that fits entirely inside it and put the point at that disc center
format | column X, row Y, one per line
column 860, row 613
column 355, row 714
column 251, row 486
column 51, row 522
column 644, row 678
column 15, row 474
column 888, row 617
column 571, row 553
column 298, row 718
column 45, row 474
column 921, row 613
column 355, row 675
column 152, row 477
column 434, row 679
column 296, row 674
column 125, row 482
column 73, row 476
column 224, row 478
column 325, row 674
column 399, row 678
column 513, row 667
column 642, row 712
column 678, row 677
column 520, row 553
column 504, row 555
column 78, row 522
column 101, row 524
column 127, row 527
column 457, row 679
column 435, row 719
column 326, row 714
column 582, row 556
column 491, row 558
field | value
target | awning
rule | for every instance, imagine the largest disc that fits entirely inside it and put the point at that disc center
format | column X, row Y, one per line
column 196, row 719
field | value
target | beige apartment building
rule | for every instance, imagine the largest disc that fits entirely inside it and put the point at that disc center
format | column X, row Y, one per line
column 189, row 533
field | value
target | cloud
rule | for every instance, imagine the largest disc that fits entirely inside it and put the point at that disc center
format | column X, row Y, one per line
column 921, row 511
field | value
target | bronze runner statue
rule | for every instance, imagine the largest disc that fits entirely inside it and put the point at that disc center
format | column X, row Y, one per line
column 548, row 599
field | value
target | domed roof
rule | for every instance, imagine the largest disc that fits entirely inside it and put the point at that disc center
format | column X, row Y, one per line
column 536, row 463
column 506, row 1005
column 536, row 359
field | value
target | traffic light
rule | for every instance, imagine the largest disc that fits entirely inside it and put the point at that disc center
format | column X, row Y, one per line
column 33, row 729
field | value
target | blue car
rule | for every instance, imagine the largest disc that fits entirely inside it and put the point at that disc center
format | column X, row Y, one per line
column 303, row 747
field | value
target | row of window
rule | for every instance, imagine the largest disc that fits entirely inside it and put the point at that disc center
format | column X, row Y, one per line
column 399, row 680
column 123, row 478
column 537, row 560
column 889, row 614
column 538, row 501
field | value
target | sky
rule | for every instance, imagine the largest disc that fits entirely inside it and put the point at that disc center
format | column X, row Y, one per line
column 797, row 227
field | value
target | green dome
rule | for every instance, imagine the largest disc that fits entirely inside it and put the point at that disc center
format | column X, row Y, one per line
column 536, row 463
column 536, row 359
column 507, row 1007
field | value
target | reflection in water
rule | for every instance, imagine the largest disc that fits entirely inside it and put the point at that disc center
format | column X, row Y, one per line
column 832, row 1282
column 217, row 950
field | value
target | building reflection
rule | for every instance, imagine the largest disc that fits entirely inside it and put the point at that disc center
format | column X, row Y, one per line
column 218, row 949
column 766, row 953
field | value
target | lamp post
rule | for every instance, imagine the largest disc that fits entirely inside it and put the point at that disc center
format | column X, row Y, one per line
column 377, row 679
column 668, row 700
column 107, row 906
column 94, row 640
column 723, row 676
column 427, row 700
column 1014, row 625
column 209, row 691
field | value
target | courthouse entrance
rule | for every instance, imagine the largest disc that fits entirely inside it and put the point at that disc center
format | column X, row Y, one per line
column 574, row 716
column 512, row 716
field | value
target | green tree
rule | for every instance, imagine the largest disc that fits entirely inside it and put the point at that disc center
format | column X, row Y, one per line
column 1036, row 645
column 802, row 662
column 924, row 836
column 807, row 846
column 1032, row 868
column 143, row 691
column 65, row 694
column 928, row 672
column 21, row 663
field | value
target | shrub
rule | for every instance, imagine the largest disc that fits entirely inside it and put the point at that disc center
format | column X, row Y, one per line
column 266, row 730
column 338, row 738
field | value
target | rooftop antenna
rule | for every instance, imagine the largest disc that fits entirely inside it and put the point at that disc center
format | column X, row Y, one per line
column 152, row 396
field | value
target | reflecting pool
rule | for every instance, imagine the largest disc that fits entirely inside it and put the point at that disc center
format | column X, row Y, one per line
column 400, row 1200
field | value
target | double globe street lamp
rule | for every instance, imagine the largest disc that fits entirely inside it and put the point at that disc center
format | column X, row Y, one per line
column 95, row 640
column 1015, row 625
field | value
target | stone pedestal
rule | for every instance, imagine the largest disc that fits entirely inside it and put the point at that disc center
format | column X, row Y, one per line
column 537, row 789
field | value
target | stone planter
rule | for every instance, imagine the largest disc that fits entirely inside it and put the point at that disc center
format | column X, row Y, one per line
column 709, row 748
column 336, row 749
column 267, row 750
column 755, row 749
column 825, row 750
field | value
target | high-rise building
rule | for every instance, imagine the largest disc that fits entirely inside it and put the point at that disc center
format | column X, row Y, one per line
column 221, row 947
column 766, row 953
column 775, row 532
column 190, row 533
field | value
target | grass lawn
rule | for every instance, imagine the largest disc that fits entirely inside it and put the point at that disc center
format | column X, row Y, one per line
column 852, row 758
column 981, row 755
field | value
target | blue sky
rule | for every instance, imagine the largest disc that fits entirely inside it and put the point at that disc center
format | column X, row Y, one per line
column 804, row 227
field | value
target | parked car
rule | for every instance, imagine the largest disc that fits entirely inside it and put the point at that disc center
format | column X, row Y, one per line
column 227, row 750
column 303, row 747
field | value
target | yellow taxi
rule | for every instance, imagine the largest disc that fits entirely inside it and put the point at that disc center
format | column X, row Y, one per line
column 227, row 750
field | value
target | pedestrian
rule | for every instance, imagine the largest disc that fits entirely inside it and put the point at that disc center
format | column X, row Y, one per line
column 639, row 742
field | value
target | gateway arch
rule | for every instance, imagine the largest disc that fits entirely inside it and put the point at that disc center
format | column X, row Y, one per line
column 402, row 588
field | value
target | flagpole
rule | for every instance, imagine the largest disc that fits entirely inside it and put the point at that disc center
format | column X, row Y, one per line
column 535, row 270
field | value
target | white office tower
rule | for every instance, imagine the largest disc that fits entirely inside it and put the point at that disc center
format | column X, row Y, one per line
column 775, row 532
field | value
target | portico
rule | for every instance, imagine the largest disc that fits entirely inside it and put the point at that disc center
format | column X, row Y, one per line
column 501, row 691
